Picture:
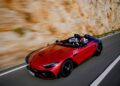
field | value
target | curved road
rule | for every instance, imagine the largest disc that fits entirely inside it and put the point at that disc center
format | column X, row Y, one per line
column 83, row 75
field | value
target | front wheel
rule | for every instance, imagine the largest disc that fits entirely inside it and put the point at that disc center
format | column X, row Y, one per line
column 66, row 68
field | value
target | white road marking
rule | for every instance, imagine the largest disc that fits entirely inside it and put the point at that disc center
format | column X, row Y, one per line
column 12, row 70
column 104, row 37
column 15, row 69
column 31, row 73
column 104, row 74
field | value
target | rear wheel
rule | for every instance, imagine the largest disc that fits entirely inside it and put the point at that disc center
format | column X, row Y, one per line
column 66, row 68
column 99, row 49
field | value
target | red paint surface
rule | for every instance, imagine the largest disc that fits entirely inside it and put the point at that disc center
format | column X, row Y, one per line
column 58, row 53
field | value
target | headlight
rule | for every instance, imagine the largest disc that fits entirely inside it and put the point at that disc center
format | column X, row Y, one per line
column 50, row 65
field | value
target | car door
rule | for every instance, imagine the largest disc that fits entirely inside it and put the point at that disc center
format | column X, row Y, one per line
column 79, row 54
column 84, row 52
column 90, row 49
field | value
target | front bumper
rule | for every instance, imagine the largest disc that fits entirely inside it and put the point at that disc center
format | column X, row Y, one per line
column 42, row 74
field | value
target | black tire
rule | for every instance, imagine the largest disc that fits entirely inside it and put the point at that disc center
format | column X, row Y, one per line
column 66, row 68
column 99, row 49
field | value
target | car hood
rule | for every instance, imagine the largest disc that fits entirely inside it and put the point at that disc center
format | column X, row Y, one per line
column 50, row 54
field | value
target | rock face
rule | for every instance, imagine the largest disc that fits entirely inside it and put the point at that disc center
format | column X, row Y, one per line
column 26, row 25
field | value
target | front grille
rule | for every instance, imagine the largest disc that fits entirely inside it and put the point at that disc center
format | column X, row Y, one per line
column 38, row 73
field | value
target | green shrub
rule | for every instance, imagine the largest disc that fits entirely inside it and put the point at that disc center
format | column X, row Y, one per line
column 20, row 31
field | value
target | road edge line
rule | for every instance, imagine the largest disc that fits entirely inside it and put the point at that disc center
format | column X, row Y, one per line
column 12, row 70
column 109, row 35
column 106, row 71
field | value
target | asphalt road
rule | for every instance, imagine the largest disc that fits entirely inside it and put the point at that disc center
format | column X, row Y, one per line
column 83, row 75
column 113, row 78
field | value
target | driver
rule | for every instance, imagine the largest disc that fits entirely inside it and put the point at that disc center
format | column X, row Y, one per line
column 83, row 40
column 75, row 39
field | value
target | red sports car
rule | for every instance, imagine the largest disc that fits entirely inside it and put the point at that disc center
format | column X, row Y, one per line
column 59, row 59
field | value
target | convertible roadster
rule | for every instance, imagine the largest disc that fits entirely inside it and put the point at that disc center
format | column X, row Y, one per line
column 60, row 58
